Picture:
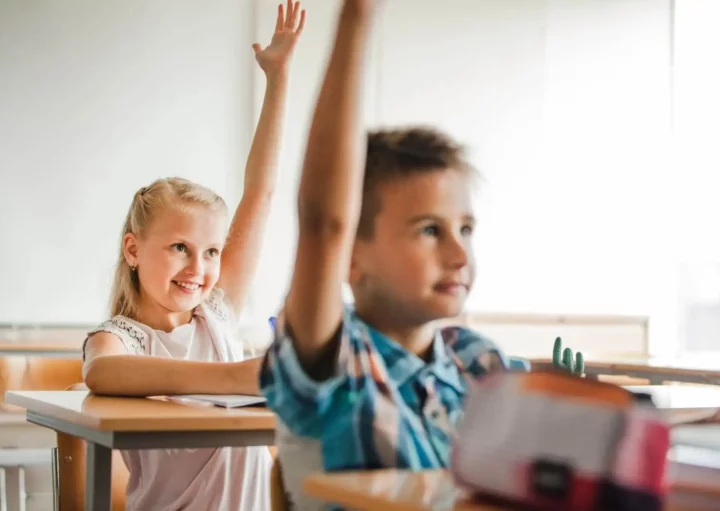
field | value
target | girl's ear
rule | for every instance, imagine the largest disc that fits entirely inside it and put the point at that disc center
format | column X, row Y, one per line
column 130, row 249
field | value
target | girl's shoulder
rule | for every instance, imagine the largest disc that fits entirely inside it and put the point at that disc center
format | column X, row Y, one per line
column 132, row 335
column 217, row 306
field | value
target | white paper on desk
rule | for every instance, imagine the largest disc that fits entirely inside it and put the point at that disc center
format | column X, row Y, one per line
column 224, row 400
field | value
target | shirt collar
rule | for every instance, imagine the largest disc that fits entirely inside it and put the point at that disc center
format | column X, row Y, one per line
column 402, row 365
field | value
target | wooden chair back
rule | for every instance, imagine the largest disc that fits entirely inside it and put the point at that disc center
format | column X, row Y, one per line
column 38, row 373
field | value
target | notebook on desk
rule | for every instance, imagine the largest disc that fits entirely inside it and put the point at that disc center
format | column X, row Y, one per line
column 224, row 400
column 690, row 416
column 695, row 453
column 694, row 466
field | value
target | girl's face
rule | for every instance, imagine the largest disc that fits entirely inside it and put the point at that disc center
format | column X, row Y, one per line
column 177, row 259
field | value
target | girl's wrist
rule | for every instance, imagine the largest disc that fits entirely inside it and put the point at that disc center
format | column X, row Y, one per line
column 277, row 77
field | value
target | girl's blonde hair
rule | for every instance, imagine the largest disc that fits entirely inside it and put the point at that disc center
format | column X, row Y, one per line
column 147, row 202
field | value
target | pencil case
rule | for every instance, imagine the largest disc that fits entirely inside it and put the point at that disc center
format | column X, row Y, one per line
column 550, row 440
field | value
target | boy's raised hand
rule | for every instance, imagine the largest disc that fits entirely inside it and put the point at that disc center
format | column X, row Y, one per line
column 330, row 194
column 275, row 57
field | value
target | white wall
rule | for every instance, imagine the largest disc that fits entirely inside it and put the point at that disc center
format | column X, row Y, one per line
column 697, row 208
column 697, row 115
column 96, row 100
column 309, row 63
column 565, row 104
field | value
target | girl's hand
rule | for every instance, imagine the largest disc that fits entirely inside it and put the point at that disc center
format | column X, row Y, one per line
column 274, row 58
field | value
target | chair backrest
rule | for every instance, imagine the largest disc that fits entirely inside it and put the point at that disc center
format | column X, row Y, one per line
column 38, row 373
column 532, row 335
column 71, row 472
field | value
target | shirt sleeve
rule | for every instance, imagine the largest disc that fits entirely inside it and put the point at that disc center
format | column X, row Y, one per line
column 478, row 354
column 133, row 338
column 298, row 399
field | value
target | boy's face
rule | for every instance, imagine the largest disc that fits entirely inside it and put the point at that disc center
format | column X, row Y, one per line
column 419, row 265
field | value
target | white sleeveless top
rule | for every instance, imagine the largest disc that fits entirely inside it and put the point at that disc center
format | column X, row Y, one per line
column 224, row 479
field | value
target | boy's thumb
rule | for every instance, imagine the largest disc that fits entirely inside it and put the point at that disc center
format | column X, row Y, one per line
column 256, row 48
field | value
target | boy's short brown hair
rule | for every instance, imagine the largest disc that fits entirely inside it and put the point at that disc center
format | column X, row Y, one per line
column 399, row 153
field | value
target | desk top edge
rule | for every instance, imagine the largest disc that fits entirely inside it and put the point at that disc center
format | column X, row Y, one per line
column 188, row 418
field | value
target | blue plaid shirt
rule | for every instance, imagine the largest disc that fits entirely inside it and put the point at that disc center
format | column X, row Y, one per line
column 383, row 406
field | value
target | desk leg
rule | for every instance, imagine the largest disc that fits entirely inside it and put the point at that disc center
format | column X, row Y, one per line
column 55, row 479
column 3, row 490
column 97, row 478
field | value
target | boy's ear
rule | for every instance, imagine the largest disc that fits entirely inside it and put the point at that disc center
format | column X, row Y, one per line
column 130, row 248
column 355, row 273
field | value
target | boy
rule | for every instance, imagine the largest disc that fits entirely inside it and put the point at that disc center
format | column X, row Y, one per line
column 377, row 386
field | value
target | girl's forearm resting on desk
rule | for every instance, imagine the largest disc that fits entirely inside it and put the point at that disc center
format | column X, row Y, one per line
column 140, row 376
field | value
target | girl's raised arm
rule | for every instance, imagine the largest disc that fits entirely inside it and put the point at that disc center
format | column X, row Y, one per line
column 242, row 251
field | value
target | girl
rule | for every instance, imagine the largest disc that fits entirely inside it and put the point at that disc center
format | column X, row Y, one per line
column 179, row 286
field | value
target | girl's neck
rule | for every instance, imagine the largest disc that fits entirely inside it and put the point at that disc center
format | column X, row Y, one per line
column 159, row 318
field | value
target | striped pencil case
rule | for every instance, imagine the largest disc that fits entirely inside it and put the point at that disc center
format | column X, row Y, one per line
column 547, row 440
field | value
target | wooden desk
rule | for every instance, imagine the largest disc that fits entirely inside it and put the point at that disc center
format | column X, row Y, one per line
column 655, row 370
column 393, row 490
column 681, row 397
column 8, row 349
column 107, row 423
column 434, row 490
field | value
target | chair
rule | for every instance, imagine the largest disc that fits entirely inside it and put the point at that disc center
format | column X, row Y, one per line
column 70, row 462
column 30, row 373
column 19, row 459
column 38, row 373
